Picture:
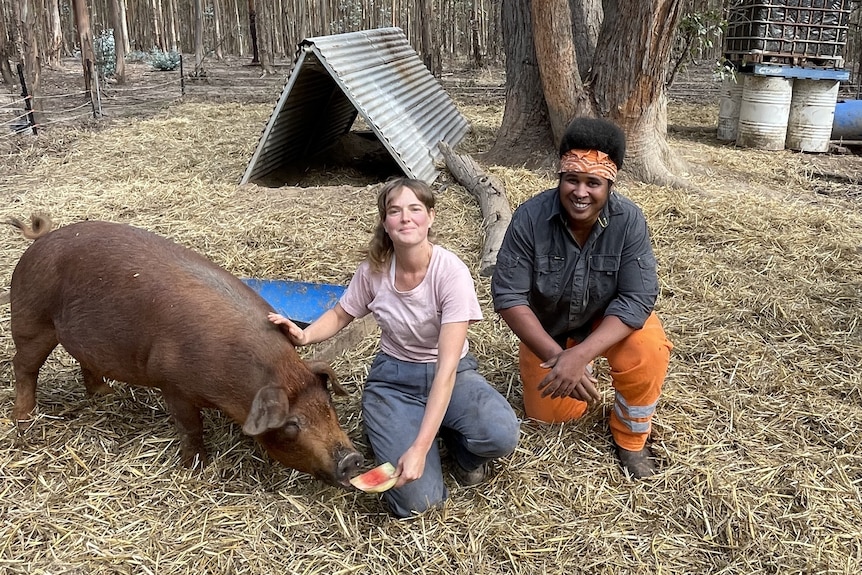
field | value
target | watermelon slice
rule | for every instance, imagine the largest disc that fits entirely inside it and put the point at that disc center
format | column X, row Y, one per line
column 377, row 480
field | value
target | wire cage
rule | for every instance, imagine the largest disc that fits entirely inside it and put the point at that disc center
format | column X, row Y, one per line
column 788, row 32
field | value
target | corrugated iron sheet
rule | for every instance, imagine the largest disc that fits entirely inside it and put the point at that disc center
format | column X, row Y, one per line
column 375, row 74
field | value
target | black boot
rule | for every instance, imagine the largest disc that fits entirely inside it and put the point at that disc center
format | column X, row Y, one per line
column 639, row 464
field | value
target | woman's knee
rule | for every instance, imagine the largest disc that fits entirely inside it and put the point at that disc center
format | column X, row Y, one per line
column 408, row 500
column 497, row 436
column 507, row 432
column 644, row 349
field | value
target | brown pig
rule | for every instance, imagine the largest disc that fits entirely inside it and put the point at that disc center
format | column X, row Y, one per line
column 133, row 306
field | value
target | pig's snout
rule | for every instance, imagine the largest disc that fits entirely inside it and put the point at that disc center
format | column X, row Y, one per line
column 349, row 466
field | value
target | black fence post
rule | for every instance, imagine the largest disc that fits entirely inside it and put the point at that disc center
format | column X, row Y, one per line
column 28, row 108
column 182, row 78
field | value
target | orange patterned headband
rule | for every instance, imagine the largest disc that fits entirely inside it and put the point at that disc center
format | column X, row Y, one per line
column 589, row 162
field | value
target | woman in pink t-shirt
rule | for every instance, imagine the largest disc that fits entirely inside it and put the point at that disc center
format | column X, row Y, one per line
column 423, row 382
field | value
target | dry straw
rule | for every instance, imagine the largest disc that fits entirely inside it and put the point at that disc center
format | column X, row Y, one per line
column 758, row 430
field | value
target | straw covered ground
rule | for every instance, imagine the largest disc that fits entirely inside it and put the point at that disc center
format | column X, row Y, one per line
column 758, row 430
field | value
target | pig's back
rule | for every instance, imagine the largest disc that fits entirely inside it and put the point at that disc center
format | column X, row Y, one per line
column 137, row 307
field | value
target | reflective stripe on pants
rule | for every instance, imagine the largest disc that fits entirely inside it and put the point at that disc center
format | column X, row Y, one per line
column 638, row 367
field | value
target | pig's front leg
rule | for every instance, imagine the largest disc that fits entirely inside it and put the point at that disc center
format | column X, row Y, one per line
column 187, row 418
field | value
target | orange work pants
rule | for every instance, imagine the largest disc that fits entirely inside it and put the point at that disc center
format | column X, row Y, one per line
column 638, row 366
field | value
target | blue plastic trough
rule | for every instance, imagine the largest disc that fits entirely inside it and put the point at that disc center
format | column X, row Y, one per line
column 302, row 302
column 847, row 124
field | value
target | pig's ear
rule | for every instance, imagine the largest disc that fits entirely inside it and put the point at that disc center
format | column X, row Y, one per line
column 323, row 370
column 269, row 410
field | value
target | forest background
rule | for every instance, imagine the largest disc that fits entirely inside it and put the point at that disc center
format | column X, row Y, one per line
column 447, row 34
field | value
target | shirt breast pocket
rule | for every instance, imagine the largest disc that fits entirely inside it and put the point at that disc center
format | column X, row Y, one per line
column 604, row 274
column 549, row 273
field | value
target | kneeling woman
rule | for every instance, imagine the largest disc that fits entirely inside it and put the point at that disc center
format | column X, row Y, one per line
column 423, row 382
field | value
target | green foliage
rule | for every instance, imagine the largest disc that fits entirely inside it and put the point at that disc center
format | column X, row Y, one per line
column 138, row 56
column 350, row 14
column 696, row 34
column 725, row 70
column 165, row 61
column 106, row 54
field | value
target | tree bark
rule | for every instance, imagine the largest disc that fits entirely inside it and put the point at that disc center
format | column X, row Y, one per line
column 219, row 50
column 264, row 40
column 628, row 83
column 493, row 203
column 172, row 35
column 586, row 24
column 156, row 7
column 524, row 137
column 7, row 50
column 252, row 25
column 54, row 35
column 199, row 38
column 426, row 48
column 85, row 39
column 124, row 22
column 558, row 65
column 29, row 53
column 119, row 40
column 625, row 84
column 474, row 36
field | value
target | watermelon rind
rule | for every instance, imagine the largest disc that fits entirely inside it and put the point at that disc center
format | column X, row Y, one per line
column 378, row 480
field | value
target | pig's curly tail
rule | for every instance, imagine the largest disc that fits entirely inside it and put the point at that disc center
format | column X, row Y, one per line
column 40, row 224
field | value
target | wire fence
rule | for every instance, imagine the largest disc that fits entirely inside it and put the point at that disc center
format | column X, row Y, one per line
column 64, row 101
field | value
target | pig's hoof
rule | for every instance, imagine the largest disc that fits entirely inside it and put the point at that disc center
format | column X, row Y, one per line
column 195, row 460
column 24, row 419
column 24, row 424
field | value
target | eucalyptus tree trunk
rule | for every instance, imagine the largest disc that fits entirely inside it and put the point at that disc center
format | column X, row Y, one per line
column 628, row 82
column 476, row 50
column 7, row 53
column 53, row 34
column 85, row 41
column 124, row 26
column 119, row 40
column 426, row 48
column 524, row 136
column 27, row 34
column 565, row 96
column 199, row 38
column 624, row 80
column 156, row 15
column 172, row 34
column 237, row 26
column 265, row 41
column 252, row 25
column 219, row 50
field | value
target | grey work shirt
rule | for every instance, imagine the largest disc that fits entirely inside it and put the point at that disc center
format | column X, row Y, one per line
column 540, row 265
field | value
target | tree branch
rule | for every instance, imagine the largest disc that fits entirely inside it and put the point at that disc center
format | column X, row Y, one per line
column 489, row 190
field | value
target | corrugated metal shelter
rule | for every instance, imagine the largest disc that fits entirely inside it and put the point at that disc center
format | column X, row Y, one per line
column 375, row 74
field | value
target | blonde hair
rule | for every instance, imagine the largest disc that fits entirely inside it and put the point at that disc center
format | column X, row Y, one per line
column 380, row 248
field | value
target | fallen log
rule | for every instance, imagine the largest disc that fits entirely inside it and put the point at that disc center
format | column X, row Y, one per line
column 489, row 191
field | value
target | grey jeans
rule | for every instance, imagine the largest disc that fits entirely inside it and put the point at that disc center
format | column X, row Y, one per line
column 479, row 424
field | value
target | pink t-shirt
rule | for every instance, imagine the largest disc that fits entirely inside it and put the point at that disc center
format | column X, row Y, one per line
column 410, row 321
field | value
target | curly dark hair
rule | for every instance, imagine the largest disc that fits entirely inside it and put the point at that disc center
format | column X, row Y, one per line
column 595, row 134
